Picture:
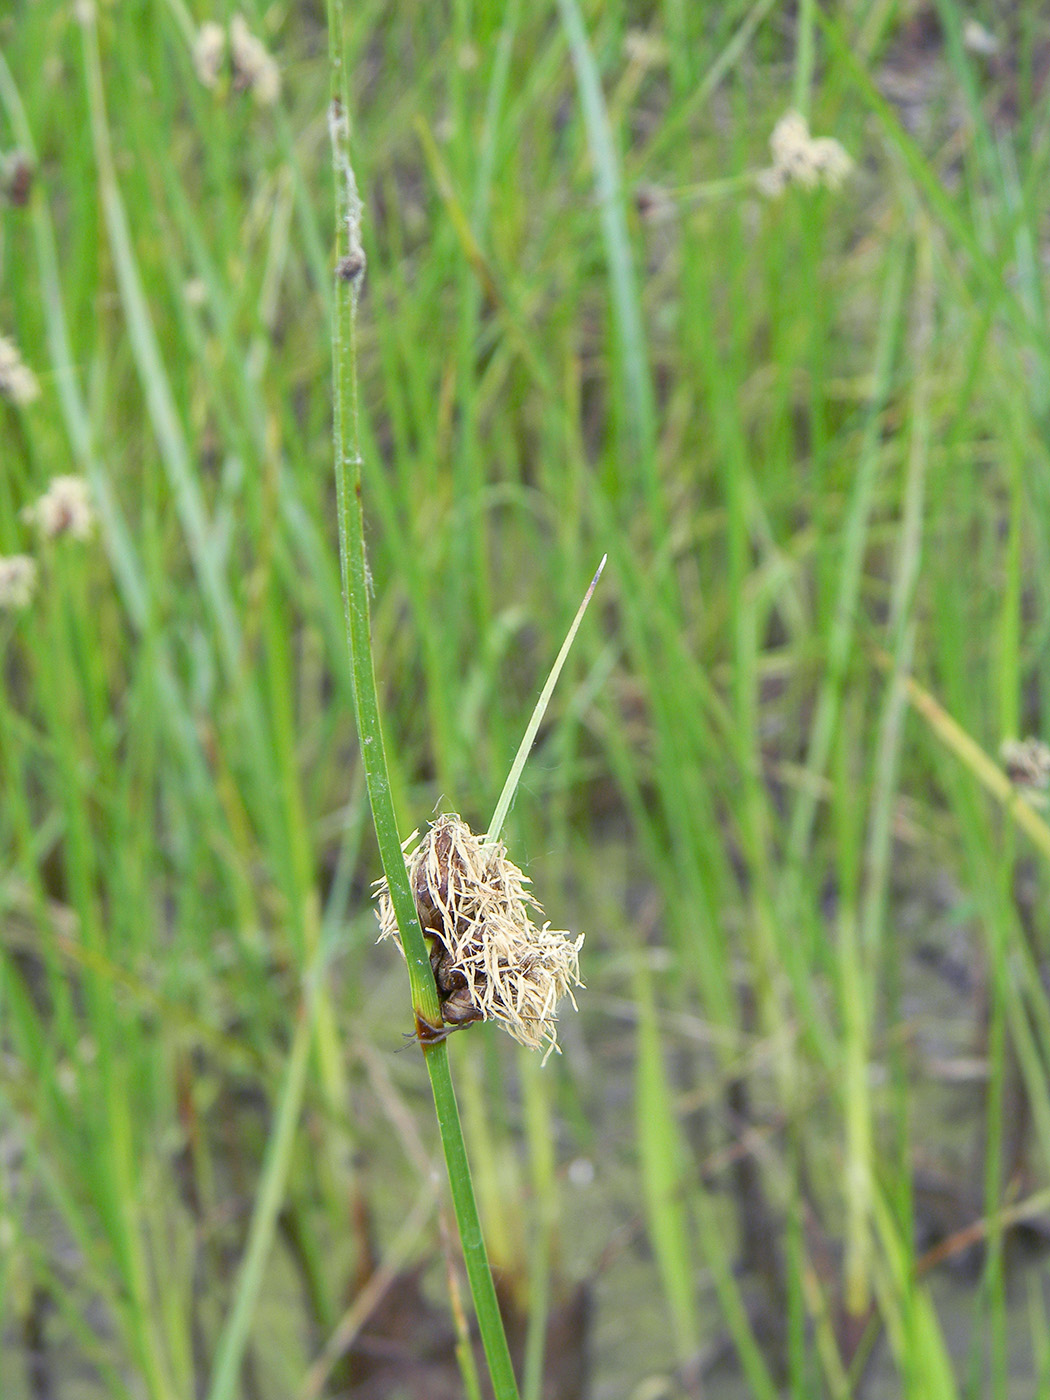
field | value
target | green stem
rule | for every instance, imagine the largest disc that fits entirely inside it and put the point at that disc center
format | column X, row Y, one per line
column 366, row 704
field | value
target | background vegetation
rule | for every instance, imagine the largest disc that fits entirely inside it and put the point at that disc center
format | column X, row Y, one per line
column 798, row 1141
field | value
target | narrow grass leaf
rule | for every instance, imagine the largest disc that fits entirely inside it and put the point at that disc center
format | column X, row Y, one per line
column 662, row 1166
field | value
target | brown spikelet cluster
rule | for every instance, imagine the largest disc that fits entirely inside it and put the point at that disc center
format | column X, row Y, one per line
column 490, row 960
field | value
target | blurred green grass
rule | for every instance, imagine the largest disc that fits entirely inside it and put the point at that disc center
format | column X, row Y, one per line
column 810, row 432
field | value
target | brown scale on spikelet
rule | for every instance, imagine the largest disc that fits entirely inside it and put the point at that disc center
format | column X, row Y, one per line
column 490, row 960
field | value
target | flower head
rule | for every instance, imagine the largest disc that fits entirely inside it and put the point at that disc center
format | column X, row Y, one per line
column 254, row 66
column 64, row 509
column 802, row 159
column 209, row 53
column 490, row 960
column 17, row 381
column 17, row 582
column 1027, row 762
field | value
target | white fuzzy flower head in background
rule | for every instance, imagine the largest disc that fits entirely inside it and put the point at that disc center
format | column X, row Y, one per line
column 802, row 159
column 17, row 582
column 1027, row 764
column 18, row 383
column 64, row 509
column 209, row 53
column 490, row 960
column 254, row 67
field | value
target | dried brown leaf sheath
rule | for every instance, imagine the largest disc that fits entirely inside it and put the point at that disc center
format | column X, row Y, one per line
column 490, row 960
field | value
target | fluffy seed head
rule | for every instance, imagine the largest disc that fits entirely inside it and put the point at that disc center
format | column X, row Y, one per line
column 64, row 509
column 254, row 66
column 802, row 159
column 1027, row 762
column 209, row 53
column 491, row 961
column 17, row 582
column 17, row 381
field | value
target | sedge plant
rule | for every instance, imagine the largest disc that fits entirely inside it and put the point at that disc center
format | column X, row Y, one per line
column 452, row 851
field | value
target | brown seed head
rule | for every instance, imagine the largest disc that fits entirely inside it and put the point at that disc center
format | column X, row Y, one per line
column 491, row 960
